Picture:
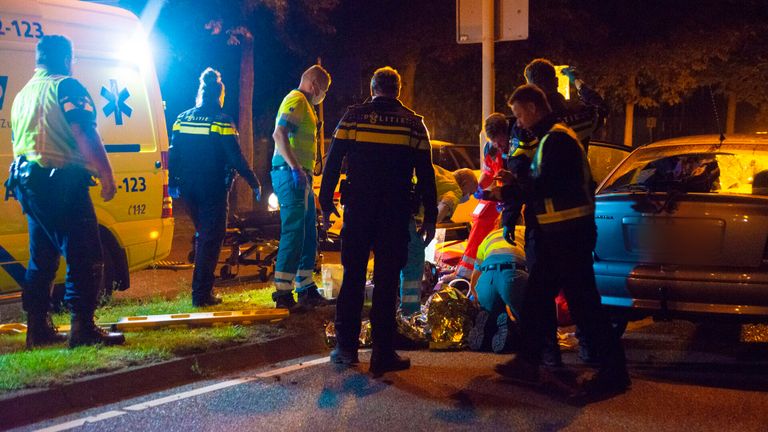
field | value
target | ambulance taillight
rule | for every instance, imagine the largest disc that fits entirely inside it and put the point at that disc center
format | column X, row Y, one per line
column 167, row 200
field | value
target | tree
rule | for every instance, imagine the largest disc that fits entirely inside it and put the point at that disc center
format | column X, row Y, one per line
column 661, row 52
column 240, row 21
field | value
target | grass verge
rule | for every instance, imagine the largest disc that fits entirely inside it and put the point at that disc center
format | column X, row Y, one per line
column 54, row 365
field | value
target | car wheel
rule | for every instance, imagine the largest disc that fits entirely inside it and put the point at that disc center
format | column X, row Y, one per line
column 106, row 286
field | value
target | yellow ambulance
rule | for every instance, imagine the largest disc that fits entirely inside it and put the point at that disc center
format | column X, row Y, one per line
column 113, row 62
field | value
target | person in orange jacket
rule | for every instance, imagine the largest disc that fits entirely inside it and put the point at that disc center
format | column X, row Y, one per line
column 485, row 217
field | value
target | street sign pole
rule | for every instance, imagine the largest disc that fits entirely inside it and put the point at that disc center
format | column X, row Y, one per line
column 489, row 79
column 321, row 128
column 476, row 23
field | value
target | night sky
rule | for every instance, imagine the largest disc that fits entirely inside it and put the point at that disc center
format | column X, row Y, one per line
column 604, row 41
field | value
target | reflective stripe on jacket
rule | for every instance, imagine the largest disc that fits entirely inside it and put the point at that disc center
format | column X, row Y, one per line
column 572, row 198
column 40, row 130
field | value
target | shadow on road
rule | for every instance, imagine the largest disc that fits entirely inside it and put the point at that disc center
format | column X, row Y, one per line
column 703, row 354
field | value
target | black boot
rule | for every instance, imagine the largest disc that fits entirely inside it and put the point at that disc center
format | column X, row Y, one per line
column 208, row 300
column 387, row 361
column 312, row 298
column 85, row 332
column 284, row 300
column 41, row 331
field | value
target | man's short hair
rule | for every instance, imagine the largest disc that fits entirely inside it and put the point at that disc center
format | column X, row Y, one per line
column 466, row 179
column 52, row 50
column 318, row 73
column 495, row 125
column 529, row 93
column 386, row 82
column 541, row 72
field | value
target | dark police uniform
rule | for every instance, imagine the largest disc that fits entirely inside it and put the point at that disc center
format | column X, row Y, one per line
column 584, row 117
column 560, row 238
column 383, row 142
column 52, row 187
column 203, row 153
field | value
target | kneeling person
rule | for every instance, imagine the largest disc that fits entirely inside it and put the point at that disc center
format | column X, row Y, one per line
column 498, row 283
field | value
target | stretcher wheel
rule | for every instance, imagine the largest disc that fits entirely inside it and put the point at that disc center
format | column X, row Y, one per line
column 226, row 272
column 263, row 275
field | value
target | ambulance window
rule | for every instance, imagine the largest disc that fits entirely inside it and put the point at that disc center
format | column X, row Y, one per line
column 124, row 114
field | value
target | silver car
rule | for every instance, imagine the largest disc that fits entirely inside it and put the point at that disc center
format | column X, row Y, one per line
column 682, row 227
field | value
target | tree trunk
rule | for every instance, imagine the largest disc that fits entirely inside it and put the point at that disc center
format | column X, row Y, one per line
column 730, row 118
column 243, row 195
column 409, row 78
column 629, row 123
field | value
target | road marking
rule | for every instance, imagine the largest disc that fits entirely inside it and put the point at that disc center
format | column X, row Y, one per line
column 223, row 385
column 187, row 394
column 181, row 396
column 81, row 422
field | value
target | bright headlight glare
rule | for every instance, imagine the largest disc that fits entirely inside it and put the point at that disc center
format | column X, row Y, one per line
column 136, row 51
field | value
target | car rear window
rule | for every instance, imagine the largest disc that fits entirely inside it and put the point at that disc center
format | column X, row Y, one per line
column 700, row 168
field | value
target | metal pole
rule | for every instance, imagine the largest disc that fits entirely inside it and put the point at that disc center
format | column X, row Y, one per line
column 321, row 126
column 488, row 65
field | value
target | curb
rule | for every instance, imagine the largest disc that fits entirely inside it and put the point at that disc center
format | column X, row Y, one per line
column 32, row 406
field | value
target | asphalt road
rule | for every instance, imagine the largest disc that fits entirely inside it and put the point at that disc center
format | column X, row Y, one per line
column 685, row 377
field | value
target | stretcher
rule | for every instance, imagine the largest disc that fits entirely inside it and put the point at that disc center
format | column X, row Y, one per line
column 245, row 244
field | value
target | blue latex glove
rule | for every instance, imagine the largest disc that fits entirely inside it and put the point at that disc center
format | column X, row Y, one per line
column 509, row 235
column 174, row 192
column 257, row 193
column 570, row 73
column 478, row 193
column 299, row 178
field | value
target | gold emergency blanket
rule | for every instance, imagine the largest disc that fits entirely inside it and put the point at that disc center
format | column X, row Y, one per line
column 449, row 319
column 365, row 334
column 413, row 326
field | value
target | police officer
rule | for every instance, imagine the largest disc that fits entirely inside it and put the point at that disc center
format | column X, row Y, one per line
column 453, row 188
column 57, row 148
column 584, row 117
column 383, row 142
column 560, row 238
column 204, row 151
column 295, row 148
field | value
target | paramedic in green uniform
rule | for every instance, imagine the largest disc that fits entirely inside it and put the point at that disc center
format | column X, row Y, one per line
column 295, row 146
